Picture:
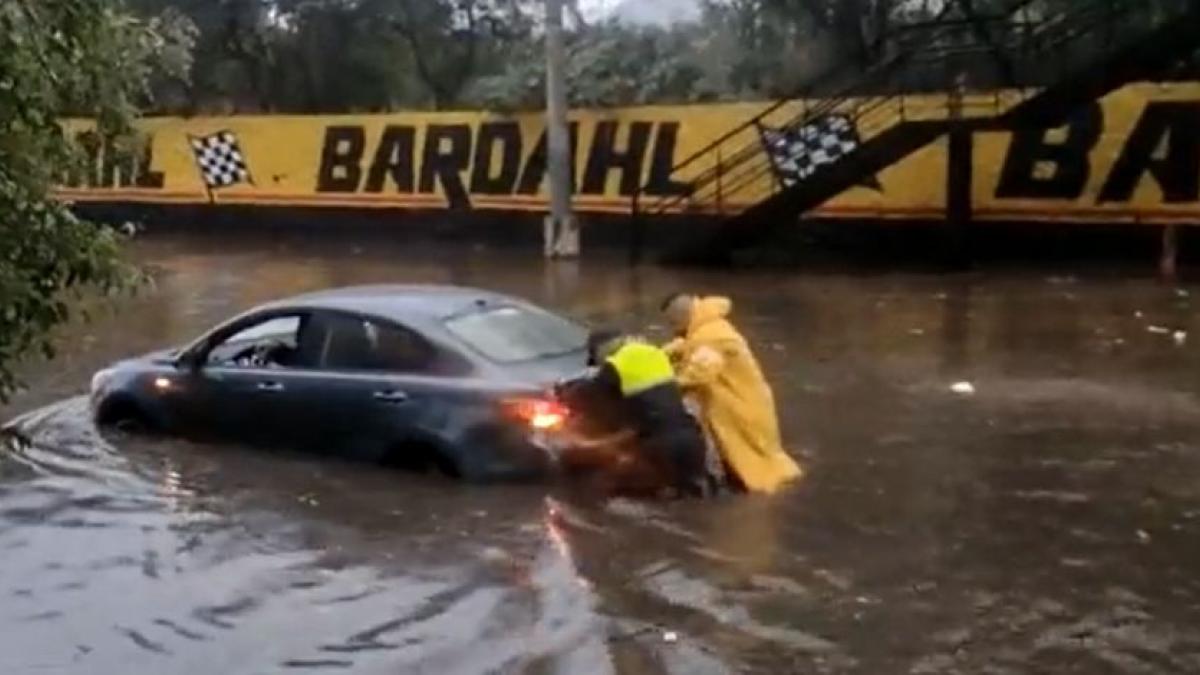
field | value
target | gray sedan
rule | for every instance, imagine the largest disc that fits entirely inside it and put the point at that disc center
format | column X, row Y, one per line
column 422, row 376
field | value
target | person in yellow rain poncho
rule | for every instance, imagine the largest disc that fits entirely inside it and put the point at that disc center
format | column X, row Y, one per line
column 719, row 372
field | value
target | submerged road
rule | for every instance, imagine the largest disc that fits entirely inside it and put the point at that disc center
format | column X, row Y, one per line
column 1046, row 524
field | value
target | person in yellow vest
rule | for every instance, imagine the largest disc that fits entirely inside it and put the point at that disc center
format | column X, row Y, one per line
column 717, row 370
column 634, row 382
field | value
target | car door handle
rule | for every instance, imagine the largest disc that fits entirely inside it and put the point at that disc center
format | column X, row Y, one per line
column 269, row 387
column 390, row 396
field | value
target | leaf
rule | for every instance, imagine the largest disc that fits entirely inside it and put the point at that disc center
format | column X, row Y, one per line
column 59, row 59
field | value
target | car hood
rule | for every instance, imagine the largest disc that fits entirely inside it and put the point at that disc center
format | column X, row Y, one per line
column 162, row 355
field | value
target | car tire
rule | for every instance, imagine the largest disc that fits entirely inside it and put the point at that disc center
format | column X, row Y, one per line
column 124, row 415
column 422, row 457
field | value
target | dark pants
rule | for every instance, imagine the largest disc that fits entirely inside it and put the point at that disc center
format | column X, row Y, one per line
column 680, row 456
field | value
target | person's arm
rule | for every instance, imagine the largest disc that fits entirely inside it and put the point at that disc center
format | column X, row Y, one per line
column 674, row 348
column 604, row 381
column 585, row 387
column 702, row 366
column 594, row 443
column 607, row 379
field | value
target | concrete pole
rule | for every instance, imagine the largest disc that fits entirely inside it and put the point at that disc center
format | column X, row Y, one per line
column 960, row 166
column 1168, row 262
column 560, row 234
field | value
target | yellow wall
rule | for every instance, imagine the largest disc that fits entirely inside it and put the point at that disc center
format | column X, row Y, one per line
column 284, row 156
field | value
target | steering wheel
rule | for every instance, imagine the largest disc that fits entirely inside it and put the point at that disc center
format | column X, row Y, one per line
column 258, row 355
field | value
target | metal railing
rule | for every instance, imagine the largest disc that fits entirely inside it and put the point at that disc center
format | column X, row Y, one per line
column 877, row 100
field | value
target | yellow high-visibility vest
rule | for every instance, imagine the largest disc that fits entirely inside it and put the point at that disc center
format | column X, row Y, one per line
column 641, row 367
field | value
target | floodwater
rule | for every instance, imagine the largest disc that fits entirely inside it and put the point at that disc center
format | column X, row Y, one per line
column 1047, row 524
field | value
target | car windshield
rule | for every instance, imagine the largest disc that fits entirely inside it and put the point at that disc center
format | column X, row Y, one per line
column 514, row 334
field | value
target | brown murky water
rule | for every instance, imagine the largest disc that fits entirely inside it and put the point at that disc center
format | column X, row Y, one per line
column 1045, row 525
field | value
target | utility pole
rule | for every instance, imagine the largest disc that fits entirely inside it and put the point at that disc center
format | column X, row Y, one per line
column 560, row 234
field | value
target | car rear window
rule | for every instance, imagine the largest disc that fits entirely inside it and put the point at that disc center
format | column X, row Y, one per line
column 515, row 334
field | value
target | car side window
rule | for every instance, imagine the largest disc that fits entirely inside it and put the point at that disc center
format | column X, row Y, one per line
column 271, row 342
column 359, row 344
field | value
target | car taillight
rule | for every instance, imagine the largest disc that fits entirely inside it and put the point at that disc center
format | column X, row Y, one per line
column 537, row 413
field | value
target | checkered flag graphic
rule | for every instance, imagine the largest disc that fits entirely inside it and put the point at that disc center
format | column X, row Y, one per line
column 798, row 153
column 220, row 159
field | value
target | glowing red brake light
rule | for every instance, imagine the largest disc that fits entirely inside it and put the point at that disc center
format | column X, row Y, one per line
column 539, row 414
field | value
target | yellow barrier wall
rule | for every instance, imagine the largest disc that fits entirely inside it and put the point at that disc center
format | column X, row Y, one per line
column 1133, row 156
column 410, row 160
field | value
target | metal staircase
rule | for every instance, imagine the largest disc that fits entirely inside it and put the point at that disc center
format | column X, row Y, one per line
column 796, row 155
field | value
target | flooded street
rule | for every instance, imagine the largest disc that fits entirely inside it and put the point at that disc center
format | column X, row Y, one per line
column 1046, row 524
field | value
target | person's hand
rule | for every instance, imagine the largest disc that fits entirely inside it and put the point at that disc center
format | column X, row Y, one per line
column 674, row 348
column 565, row 386
column 559, row 388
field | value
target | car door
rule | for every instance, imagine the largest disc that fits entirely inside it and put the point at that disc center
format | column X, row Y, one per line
column 237, row 399
column 379, row 389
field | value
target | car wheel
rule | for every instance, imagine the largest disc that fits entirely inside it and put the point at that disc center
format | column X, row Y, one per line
column 422, row 457
column 124, row 416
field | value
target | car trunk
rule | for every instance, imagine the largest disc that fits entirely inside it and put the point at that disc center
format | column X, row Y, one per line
column 545, row 372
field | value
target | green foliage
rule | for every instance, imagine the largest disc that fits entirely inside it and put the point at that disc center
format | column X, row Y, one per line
column 367, row 55
column 63, row 58
column 607, row 65
column 362, row 55
column 339, row 55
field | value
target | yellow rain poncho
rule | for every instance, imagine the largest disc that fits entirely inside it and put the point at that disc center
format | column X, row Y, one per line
column 717, row 369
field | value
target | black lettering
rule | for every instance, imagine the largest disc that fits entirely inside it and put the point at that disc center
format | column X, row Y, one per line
column 534, row 172
column 1175, row 126
column 662, row 161
column 484, row 179
column 447, row 154
column 605, row 157
column 1020, row 177
column 341, row 156
column 393, row 157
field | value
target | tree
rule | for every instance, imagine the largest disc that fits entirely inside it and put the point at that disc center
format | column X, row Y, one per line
column 610, row 65
column 62, row 58
column 450, row 40
column 772, row 46
column 234, row 54
column 342, row 55
column 366, row 55
column 370, row 70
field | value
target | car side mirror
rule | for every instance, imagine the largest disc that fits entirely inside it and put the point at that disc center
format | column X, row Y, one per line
column 190, row 361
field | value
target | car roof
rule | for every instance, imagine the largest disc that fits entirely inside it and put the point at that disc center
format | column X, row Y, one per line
column 398, row 301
